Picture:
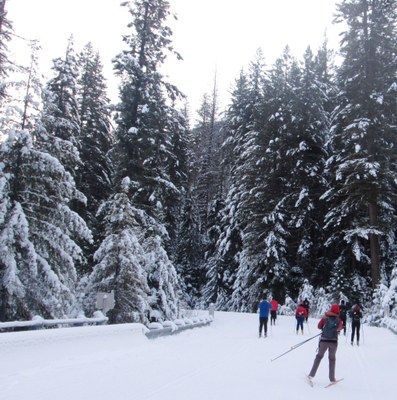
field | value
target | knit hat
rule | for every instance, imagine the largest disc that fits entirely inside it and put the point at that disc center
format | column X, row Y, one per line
column 335, row 309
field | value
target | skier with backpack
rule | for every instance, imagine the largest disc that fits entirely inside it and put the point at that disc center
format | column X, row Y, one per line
column 330, row 325
column 356, row 316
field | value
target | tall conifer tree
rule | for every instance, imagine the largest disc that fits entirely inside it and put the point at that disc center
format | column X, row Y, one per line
column 148, row 131
column 39, row 233
column 363, row 164
column 95, row 138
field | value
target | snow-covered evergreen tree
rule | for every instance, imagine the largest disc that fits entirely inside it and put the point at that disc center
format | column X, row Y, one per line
column 148, row 141
column 120, row 259
column 61, row 113
column 162, row 277
column 362, row 166
column 32, row 90
column 223, row 266
column 254, row 275
column 189, row 253
column 305, row 153
column 146, row 111
column 95, row 138
column 208, row 180
column 39, row 231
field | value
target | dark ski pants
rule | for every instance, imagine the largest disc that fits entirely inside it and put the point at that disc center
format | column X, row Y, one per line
column 322, row 348
column 263, row 324
column 273, row 317
column 299, row 323
column 356, row 328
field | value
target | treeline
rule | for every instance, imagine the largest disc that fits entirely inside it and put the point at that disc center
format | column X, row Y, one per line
column 292, row 187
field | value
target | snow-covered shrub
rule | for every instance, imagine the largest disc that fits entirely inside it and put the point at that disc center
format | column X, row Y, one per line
column 288, row 308
column 307, row 292
column 321, row 304
column 379, row 307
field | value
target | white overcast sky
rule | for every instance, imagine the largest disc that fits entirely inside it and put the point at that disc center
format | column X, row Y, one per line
column 211, row 35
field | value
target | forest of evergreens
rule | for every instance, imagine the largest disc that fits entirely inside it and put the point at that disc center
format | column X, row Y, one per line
column 289, row 192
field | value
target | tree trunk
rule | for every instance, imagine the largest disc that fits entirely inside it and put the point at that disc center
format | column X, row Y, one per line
column 374, row 244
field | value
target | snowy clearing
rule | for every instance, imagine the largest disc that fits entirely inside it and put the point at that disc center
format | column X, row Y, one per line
column 225, row 360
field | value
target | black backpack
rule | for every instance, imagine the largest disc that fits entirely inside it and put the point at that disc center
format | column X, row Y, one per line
column 356, row 315
column 330, row 328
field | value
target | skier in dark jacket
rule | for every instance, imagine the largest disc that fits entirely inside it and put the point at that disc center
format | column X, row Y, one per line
column 306, row 304
column 356, row 316
column 343, row 314
column 330, row 325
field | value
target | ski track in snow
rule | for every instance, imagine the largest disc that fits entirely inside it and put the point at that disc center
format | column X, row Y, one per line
column 223, row 361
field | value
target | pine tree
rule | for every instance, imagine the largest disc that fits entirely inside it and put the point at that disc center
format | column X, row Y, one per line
column 149, row 143
column 209, row 182
column 162, row 277
column 252, row 275
column 32, row 90
column 263, row 205
column 363, row 165
column 39, row 233
column 60, row 117
column 223, row 266
column 306, row 154
column 95, row 138
column 61, row 108
column 120, row 259
column 145, row 116
column 189, row 253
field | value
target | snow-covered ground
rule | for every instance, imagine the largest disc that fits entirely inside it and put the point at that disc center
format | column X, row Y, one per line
column 223, row 361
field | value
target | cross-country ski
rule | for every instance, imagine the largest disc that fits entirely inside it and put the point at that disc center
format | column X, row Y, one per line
column 333, row 383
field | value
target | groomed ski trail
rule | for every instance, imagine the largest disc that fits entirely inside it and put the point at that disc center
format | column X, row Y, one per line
column 225, row 360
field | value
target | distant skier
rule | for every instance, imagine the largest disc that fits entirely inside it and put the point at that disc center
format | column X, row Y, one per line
column 263, row 308
column 330, row 325
column 343, row 314
column 273, row 312
column 356, row 316
column 300, row 316
column 306, row 304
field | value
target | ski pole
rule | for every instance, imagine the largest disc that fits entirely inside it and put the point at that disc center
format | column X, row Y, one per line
column 295, row 346
column 362, row 331
column 347, row 331
column 308, row 327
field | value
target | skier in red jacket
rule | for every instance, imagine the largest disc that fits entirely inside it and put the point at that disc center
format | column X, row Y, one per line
column 300, row 315
column 273, row 312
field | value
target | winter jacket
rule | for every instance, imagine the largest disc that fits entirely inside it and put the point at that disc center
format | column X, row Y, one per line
column 274, row 304
column 301, row 312
column 264, row 308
